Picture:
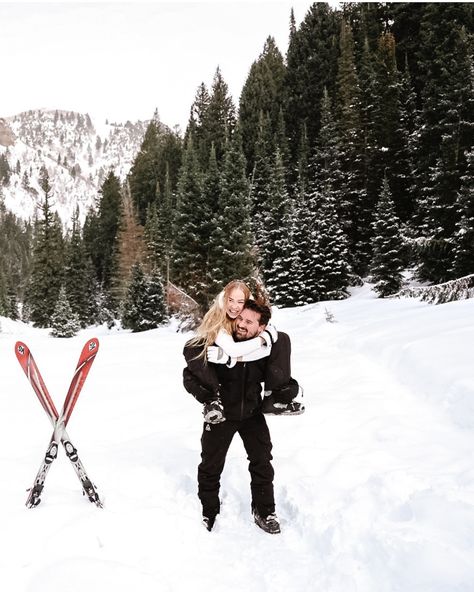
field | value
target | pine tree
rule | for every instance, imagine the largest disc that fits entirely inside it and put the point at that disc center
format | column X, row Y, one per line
column 393, row 159
column 331, row 269
column 311, row 66
column 15, row 258
column 438, row 215
column 322, row 167
column 409, row 126
column 101, row 228
column 273, row 233
column 262, row 93
column 196, row 125
column 5, row 170
column 371, row 114
column 64, row 322
column 463, row 238
column 447, row 131
column 159, row 229
column 155, row 309
column 211, row 197
column 283, row 279
column 387, row 262
column 47, row 262
column 130, row 247
column 143, row 176
column 260, row 184
column 192, row 230
column 232, row 241
column 75, row 273
column 135, row 302
column 220, row 119
column 351, row 196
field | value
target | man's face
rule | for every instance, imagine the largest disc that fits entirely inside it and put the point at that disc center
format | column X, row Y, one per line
column 247, row 325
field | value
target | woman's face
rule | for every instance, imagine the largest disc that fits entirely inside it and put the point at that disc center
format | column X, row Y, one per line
column 234, row 303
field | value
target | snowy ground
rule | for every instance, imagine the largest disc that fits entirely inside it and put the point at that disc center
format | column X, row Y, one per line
column 374, row 483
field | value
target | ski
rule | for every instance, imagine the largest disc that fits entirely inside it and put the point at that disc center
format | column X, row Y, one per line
column 59, row 421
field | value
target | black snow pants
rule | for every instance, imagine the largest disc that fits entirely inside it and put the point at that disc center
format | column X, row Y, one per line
column 215, row 442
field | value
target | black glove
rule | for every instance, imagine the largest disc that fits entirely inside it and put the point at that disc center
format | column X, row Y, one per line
column 213, row 412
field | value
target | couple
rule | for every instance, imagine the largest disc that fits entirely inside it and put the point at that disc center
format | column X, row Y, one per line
column 234, row 352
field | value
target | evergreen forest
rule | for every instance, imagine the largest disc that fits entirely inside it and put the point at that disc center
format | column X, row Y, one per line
column 349, row 158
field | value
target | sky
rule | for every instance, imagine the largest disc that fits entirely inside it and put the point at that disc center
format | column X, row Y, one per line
column 123, row 60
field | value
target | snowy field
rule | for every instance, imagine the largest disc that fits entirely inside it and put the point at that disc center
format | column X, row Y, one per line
column 374, row 483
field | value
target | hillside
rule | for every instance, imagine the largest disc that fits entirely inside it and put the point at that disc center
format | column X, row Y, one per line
column 77, row 151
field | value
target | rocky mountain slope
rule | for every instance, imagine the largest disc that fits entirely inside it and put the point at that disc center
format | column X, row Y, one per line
column 77, row 151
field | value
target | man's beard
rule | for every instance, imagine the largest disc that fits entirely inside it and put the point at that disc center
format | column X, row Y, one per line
column 240, row 336
column 244, row 336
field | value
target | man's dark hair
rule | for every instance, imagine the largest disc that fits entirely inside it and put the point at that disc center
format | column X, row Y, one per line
column 262, row 309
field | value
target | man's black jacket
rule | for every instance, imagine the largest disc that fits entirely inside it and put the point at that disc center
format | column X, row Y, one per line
column 240, row 387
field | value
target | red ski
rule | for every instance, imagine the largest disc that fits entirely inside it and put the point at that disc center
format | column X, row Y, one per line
column 59, row 420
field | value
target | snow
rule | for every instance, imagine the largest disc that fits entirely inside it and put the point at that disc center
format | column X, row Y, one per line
column 374, row 483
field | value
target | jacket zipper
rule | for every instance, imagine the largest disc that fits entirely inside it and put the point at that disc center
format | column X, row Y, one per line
column 242, row 399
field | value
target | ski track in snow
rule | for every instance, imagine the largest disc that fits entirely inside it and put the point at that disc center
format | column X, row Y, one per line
column 374, row 484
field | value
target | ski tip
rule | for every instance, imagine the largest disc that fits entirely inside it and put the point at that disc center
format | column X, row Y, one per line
column 20, row 348
column 93, row 345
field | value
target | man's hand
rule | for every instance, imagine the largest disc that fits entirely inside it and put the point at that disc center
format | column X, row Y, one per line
column 213, row 412
column 269, row 334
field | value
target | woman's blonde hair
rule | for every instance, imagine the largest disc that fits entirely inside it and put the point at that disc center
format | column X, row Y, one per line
column 216, row 317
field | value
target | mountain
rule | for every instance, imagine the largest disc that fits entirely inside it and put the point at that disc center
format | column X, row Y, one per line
column 77, row 151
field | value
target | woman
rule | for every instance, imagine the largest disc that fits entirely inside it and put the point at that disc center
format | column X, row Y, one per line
column 216, row 329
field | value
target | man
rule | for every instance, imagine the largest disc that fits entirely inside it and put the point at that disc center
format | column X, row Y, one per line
column 233, row 403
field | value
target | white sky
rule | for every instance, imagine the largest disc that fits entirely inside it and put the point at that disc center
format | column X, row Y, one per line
column 122, row 60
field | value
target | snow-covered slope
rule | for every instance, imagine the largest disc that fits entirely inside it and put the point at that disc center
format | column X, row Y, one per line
column 77, row 151
column 374, row 483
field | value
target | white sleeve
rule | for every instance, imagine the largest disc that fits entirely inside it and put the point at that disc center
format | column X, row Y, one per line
column 236, row 349
column 258, row 354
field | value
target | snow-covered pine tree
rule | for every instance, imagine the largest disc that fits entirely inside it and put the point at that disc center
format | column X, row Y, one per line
column 220, row 119
column 409, row 127
column 159, row 227
column 196, row 125
column 76, row 271
column 232, row 241
column 47, row 262
column 103, row 308
column 311, row 63
column 154, row 311
column 277, row 251
column 152, row 235
column 211, row 196
column 262, row 93
column 135, row 300
column 3, row 296
column 64, row 322
column 437, row 214
column 387, row 262
column 192, row 229
column 331, row 269
column 283, row 283
column 143, row 176
column 260, row 183
column 101, row 228
column 351, row 193
column 446, row 133
column 463, row 239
